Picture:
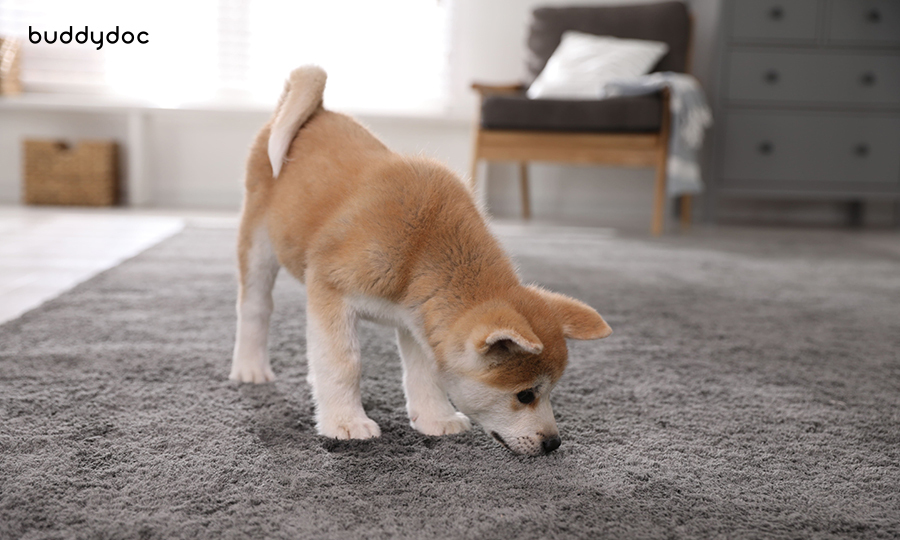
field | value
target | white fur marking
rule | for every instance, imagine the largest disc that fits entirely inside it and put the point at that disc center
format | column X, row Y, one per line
column 522, row 430
column 389, row 313
column 332, row 350
column 250, row 362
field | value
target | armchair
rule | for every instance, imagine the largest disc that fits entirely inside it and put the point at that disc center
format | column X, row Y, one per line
column 623, row 131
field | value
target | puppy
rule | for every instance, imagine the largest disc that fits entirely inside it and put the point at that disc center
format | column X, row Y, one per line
column 400, row 241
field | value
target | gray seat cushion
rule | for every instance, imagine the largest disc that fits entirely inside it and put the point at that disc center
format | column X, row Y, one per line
column 637, row 114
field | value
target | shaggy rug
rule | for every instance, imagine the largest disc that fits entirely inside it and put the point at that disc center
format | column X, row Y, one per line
column 751, row 389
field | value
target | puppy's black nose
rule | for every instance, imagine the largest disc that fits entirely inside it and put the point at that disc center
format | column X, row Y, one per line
column 550, row 444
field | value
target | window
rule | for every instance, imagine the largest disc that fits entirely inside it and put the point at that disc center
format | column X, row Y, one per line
column 380, row 55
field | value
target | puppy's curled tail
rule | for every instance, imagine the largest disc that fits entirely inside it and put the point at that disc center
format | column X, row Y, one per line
column 301, row 97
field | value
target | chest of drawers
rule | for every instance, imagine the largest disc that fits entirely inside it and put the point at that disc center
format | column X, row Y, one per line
column 807, row 100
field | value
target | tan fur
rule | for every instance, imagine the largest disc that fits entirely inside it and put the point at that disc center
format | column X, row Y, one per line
column 352, row 219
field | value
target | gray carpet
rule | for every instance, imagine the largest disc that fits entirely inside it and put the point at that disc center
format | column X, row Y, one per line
column 752, row 389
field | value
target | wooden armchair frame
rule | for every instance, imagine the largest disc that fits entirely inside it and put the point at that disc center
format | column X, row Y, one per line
column 621, row 149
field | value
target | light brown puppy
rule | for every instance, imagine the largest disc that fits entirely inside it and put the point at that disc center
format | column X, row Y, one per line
column 398, row 240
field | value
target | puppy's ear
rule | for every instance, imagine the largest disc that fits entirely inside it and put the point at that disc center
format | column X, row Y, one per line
column 579, row 320
column 509, row 340
column 501, row 328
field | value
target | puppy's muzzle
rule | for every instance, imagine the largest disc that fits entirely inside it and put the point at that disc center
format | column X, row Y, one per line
column 548, row 444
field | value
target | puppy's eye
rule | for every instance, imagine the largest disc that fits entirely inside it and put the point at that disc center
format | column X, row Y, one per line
column 525, row 396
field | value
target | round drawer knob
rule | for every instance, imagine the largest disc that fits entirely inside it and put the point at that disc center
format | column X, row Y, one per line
column 776, row 13
column 861, row 150
column 771, row 76
column 868, row 79
column 873, row 16
column 766, row 148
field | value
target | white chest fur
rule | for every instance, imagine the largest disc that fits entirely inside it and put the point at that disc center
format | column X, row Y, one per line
column 388, row 313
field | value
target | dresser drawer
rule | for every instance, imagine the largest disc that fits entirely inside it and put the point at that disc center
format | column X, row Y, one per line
column 774, row 20
column 873, row 22
column 815, row 77
column 811, row 148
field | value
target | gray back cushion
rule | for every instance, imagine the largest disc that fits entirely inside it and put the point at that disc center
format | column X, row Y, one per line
column 666, row 21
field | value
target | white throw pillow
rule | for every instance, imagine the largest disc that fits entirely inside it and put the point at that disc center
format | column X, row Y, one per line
column 583, row 63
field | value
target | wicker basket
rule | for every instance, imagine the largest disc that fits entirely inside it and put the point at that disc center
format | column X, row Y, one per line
column 85, row 174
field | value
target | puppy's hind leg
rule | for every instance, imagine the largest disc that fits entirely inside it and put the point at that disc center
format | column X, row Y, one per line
column 258, row 269
column 332, row 348
column 430, row 411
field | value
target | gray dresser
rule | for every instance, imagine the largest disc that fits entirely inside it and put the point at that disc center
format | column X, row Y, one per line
column 807, row 101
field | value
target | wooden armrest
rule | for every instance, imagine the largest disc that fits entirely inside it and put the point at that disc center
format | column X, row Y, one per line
column 486, row 89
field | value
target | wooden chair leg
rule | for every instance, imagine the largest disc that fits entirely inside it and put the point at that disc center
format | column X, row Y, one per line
column 686, row 211
column 523, row 183
column 662, row 160
column 659, row 200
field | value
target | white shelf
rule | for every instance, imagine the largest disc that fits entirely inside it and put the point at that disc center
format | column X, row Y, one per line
column 138, row 115
column 112, row 104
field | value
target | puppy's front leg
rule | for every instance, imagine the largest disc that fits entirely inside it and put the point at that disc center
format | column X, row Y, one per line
column 430, row 411
column 334, row 363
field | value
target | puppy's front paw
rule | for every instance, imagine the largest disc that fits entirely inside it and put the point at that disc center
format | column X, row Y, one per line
column 349, row 428
column 442, row 426
column 251, row 372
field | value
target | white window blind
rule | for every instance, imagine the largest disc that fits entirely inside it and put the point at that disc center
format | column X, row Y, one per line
column 379, row 55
